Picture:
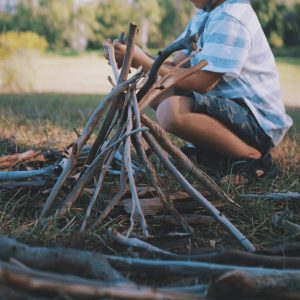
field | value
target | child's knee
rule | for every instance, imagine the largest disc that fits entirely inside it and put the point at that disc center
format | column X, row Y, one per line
column 167, row 116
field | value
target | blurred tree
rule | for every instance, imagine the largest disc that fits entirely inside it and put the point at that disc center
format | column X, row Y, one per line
column 292, row 26
column 113, row 17
column 147, row 15
column 271, row 16
column 176, row 14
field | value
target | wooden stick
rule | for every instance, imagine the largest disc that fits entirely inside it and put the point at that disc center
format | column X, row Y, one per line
column 165, row 200
column 202, row 270
column 162, row 138
column 9, row 161
column 63, row 284
column 215, row 213
column 136, row 207
column 59, row 259
column 288, row 196
column 19, row 175
column 280, row 286
column 112, row 60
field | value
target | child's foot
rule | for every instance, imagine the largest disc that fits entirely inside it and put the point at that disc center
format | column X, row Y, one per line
column 243, row 171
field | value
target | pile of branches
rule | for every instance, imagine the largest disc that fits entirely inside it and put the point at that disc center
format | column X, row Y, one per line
column 125, row 131
column 67, row 273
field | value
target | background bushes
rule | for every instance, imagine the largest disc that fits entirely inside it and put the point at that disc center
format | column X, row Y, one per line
column 65, row 24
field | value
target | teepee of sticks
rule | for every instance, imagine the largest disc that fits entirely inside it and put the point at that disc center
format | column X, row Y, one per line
column 126, row 130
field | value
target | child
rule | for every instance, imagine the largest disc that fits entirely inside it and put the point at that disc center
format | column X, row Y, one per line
column 236, row 109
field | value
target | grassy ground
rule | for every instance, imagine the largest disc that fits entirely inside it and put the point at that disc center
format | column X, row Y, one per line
column 47, row 121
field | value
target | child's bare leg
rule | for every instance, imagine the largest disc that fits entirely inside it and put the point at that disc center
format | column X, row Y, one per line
column 174, row 114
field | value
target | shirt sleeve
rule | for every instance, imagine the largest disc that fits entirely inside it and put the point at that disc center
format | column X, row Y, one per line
column 225, row 45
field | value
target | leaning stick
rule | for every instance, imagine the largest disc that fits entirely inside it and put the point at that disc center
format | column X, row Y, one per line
column 165, row 200
column 136, row 206
column 161, row 136
column 112, row 60
column 115, row 102
column 215, row 213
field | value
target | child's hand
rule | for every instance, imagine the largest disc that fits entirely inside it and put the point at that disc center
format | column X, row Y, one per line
column 120, row 50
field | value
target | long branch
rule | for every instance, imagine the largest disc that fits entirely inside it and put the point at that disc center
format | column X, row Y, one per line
column 215, row 213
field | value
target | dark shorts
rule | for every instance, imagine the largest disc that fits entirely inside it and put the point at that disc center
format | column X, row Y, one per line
column 235, row 115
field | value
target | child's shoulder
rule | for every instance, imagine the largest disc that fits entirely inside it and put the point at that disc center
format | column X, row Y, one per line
column 240, row 10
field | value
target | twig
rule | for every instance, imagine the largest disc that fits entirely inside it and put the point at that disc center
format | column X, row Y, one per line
column 288, row 196
column 112, row 61
column 136, row 243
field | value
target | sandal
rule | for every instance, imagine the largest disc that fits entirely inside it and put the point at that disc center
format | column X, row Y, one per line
column 244, row 171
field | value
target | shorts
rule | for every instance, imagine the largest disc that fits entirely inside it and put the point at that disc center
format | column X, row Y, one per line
column 237, row 117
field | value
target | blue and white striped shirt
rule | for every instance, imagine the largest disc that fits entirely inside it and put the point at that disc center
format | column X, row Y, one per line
column 234, row 44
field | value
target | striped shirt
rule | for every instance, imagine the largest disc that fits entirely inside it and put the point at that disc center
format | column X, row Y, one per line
column 234, row 44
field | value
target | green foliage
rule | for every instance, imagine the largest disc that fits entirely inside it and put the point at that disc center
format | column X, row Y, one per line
column 17, row 52
column 177, row 14
column 113, row 17
column 66, row 24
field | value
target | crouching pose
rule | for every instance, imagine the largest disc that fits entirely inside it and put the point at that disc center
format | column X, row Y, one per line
column 233, row 107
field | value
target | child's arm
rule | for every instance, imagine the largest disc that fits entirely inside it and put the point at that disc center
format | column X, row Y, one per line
column 201, row 82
